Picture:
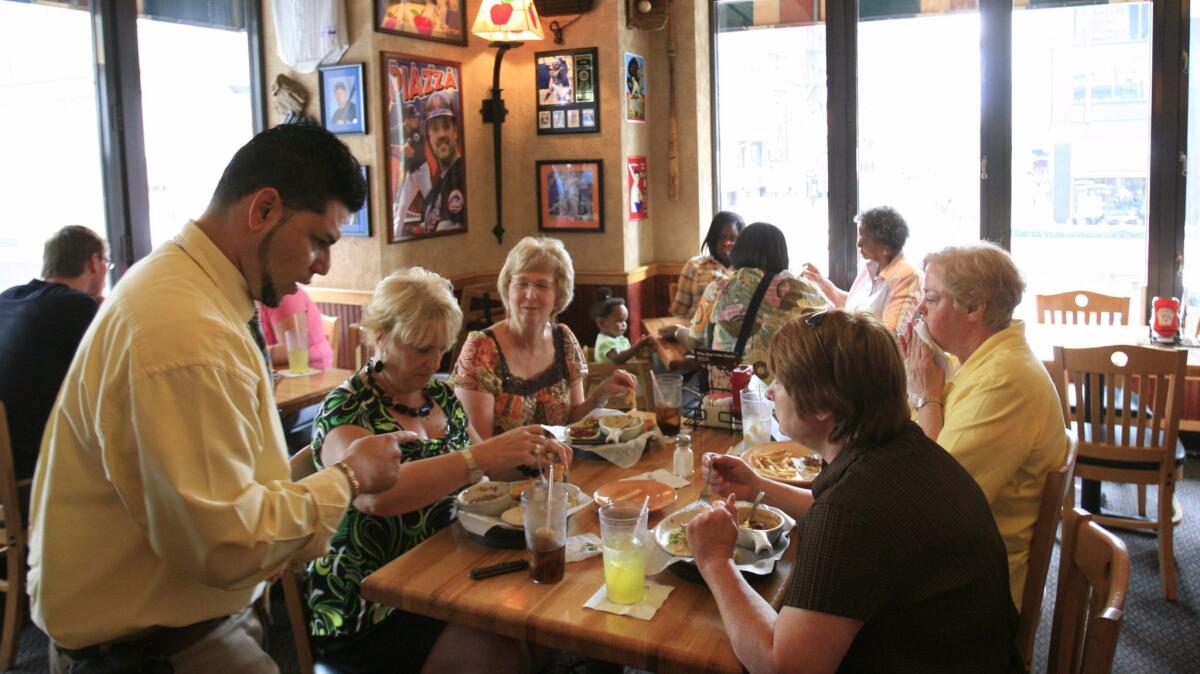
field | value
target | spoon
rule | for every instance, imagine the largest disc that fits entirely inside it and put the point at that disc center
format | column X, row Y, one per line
column 758, row 499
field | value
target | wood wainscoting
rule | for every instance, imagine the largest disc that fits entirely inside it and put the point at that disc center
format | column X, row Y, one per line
column 645, row 290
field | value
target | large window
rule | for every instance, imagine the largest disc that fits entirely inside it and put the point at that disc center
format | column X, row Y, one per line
column 918, row 125
column 1027, row 122
column 1081, row 148
column 1191, row 253
column 50, row 176
column 196, row 113
column 772, row 142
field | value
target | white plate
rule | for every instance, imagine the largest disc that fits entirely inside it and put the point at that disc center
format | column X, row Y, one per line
column 744, row 558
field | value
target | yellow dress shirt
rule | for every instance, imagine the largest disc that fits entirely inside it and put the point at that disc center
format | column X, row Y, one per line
column 161, row 496
column 1004, row 424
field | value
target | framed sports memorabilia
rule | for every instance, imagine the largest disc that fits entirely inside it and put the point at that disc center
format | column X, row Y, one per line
column 635, row 186
column 343, row 99
column 360, row 222
column 635, row 88
column 570, row 195
column 568, row 91
column 434, row 20
column 426, row 171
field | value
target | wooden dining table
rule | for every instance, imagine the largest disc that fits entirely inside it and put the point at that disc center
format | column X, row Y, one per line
column 685, row 635
column 673, row 354
column 293, row 394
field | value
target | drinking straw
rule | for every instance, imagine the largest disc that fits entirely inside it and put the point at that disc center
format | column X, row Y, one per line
column 645, row 507
column 550, row 488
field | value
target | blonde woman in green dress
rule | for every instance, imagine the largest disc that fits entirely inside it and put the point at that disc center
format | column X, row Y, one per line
column 412, row 319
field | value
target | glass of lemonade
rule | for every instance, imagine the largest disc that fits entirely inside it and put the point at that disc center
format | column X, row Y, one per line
column 297, row 351
column 623, row 531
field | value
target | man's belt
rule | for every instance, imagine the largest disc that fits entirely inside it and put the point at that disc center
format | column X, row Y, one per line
column 166, row 641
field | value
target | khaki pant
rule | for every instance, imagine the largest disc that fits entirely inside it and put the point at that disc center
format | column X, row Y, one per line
column 233, row 648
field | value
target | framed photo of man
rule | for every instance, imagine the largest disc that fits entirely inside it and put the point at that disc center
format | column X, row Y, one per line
column 426, row 171
column 570, row 195
column 343, row 98
column 360, row 222
column 568, row 93
column 434, row 20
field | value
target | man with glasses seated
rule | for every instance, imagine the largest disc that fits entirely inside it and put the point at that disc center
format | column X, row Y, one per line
column 41, row 323
column 900, row 567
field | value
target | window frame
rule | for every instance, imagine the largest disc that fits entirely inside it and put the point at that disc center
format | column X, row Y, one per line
column 119, row 108
column 1168, row 135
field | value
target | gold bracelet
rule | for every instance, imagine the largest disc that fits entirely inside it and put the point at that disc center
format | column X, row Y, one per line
column 352, row 477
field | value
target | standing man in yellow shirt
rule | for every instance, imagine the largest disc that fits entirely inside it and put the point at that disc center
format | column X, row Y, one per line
column 161, row 499
column 1000, row 416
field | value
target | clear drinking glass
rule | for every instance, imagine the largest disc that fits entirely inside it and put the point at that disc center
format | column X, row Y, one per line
column 623, row 532
column 668, row 402
column 545, row 517
column 756, row 418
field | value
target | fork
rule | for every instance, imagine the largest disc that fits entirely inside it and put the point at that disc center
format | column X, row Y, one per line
column 704, row 493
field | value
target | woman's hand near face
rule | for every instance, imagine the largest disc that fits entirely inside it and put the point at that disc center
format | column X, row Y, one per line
column 731, row 476
column 712, row 534
column 528, row 446
column 925, row 378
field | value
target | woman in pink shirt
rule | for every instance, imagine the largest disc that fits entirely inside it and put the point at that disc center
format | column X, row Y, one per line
column 320, row 355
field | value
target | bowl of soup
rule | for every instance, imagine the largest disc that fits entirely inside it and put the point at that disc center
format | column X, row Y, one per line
column 767, row 519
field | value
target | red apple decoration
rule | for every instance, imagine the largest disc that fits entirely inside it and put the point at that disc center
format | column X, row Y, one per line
column 533, row 17
column 500, row 14
column 423, row 24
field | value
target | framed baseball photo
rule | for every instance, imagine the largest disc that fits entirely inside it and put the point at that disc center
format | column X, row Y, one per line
column 434, row 20
column 570, row 195
column 360, row 222
column 635, row 88
column 343, row 98
column 426, row 171
column 568, row 93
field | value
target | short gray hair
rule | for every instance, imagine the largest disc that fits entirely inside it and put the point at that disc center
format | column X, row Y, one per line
column 980, row 273
column 885, row 225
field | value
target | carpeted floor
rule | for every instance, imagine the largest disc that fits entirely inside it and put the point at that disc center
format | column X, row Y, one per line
column 1157, row 635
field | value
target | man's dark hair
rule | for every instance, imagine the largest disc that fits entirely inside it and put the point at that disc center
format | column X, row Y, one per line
column 339, row 85
column 308, row 165
column 717, row 226
column 761, row 246
column 68, row 251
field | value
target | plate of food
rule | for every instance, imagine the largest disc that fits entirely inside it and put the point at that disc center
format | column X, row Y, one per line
column 788, row 462
column 636, row 491
column 671, row 532
column 576, row 500
column 609, row 428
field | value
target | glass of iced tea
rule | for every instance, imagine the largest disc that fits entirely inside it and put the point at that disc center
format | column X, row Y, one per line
column 544, row 511
column 668, row 402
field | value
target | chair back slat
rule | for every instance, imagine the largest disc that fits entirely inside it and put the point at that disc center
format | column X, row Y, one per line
column 1092, row 582
column 1041, row 548
column 1082, row 307
column 14, row 548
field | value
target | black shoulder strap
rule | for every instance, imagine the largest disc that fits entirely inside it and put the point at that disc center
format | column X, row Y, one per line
column 751, row 314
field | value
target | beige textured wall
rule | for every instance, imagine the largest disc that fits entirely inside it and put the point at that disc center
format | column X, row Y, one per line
column 671, row 233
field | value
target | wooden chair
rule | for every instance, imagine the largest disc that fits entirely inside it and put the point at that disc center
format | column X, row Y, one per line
column 293, row 579
column 14, row 547
column 1093, row 578
column 1082, row 307
column 672, row 288
column 1041, row 548
column 642, row 369
column 358, row 346
column 1128, row 438
column 332, row 326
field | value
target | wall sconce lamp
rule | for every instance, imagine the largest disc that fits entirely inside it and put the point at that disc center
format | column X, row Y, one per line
column 506, row 24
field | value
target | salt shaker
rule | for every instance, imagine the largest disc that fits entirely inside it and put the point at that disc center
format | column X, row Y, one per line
column 682, row 464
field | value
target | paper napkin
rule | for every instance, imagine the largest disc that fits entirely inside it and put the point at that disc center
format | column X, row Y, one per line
column 664, row 476
column 643, row 610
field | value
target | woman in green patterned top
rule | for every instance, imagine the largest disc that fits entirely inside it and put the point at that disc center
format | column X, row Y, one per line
column 412, row 319
column 761, row 251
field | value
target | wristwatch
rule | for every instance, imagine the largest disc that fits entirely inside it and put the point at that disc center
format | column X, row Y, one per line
column 923, row 401
column 473, row 473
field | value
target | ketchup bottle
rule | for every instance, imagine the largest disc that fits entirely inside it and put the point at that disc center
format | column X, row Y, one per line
column 739, row 380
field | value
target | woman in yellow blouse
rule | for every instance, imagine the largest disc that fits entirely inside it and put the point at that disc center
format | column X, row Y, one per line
column 1000, row 415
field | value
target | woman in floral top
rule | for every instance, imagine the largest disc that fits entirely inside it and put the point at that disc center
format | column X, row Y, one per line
column 760, row 250
column 412, row 319
column 528, row 369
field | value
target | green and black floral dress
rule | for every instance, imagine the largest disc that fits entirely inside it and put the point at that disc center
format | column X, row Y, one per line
column 364, row 543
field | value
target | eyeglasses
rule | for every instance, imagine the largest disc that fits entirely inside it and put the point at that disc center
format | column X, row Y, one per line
column 813, row 321
column 108, row 264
